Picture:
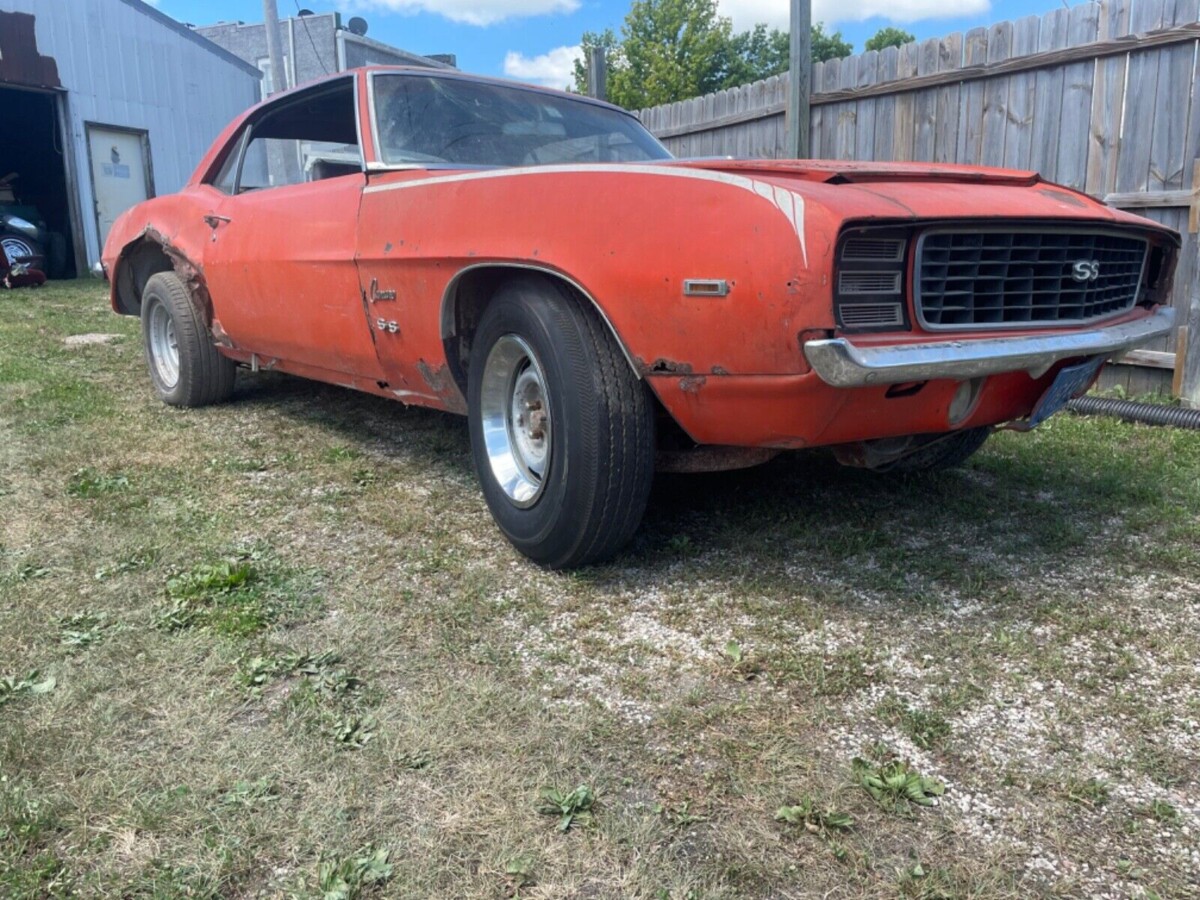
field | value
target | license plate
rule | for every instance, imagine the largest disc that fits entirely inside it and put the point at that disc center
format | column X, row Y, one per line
column 1067, row 383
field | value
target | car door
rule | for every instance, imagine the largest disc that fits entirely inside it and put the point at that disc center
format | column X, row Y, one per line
column 280, row 266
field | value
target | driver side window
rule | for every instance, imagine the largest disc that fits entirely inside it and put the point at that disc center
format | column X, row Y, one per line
column 308, row 137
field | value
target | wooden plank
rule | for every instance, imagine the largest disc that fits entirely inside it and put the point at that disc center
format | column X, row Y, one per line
column 1191, row 150
column 1194, row 210
column 1169, row 167
column 1152, row 359
column 847, row 123
column 758, row 130
column 1133, row 166
column 946, row 117
column 995, row 96
column 864, row 139
column 902, row 137
column 1151, row 199
column 925, row 103
column 777, row 88
column 1018, row 138
column 833, row 75
column 885, row 106
column 720, row 110
column 1078, row 80
column 1133, row 43
column 817, row 113
column 742, row 134
column 970, row 127
column 1144, row 381
column 1048, row 100
column 1181, row 349
column 1108, row 103
column 708, row 143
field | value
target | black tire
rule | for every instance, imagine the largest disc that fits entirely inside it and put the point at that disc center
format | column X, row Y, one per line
column 202, row 375
column 21, row 249
column 945, row 453
column 599, row 457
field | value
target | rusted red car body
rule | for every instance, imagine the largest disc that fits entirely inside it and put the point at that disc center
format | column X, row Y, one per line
column 717, row 278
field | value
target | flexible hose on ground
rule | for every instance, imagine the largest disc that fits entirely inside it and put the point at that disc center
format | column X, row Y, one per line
column 1142, row 413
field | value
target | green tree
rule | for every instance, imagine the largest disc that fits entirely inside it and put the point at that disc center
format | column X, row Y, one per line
column 889, row 37
column 756, row 54
column 828, row 46
column 671, row 50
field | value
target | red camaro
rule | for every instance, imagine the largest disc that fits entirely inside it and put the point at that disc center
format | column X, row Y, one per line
column 538, row 261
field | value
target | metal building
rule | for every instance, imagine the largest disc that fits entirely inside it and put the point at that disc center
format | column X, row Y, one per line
column 105, row 103
column 315, row 45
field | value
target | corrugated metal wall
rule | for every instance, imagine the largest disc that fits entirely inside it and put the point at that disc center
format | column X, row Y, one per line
column 122, row 65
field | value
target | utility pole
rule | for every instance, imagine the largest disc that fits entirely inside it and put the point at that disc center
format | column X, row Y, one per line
column 798, row 110
column 274, row 52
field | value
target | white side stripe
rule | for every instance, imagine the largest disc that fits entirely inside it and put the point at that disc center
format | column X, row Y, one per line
column 786, row 201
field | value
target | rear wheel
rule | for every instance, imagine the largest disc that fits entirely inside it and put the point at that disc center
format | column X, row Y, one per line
column 184, row 365
column 945, row 453
column 562, row 432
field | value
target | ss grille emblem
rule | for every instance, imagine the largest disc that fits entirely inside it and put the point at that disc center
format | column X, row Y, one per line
column 1085, row 270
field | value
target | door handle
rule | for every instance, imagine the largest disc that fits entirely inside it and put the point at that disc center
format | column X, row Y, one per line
column 212, row 220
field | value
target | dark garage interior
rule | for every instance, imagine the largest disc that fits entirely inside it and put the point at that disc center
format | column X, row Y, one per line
column 33, row 149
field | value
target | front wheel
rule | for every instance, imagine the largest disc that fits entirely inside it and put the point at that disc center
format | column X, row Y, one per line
column 562, row 431
column 184, row 365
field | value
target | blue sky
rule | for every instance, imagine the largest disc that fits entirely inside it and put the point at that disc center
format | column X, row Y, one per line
column 534, row 40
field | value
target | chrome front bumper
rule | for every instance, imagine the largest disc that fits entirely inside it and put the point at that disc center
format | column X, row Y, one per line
column 842, row 364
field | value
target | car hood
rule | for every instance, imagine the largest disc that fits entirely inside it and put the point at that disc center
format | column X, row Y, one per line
column 920, row 191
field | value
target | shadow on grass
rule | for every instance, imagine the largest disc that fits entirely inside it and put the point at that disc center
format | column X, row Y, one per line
column 1025, row 504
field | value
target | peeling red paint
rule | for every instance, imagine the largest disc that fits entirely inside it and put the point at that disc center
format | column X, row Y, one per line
column 663, row 367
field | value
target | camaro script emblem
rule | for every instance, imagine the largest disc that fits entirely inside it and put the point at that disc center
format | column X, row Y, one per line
column 1086, row 270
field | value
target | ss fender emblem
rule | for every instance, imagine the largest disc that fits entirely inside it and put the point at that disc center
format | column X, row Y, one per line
column 1086, row 270
column 388, row 325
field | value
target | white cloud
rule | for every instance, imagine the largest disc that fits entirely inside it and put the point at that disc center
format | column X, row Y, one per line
column 554, row 69
column 470, row 12
column 748, row 13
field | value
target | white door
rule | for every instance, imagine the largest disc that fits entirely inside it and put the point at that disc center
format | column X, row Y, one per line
column 120, row 174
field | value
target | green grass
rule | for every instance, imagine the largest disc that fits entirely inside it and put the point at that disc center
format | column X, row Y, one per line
column 277, row 648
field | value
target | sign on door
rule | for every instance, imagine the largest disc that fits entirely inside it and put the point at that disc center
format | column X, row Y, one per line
column 120, row 172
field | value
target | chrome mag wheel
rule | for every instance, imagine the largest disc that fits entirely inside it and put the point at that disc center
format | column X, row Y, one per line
column 514, row 414
column 164, row 346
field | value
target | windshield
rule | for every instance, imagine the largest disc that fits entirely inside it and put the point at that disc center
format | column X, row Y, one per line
column 449, row 120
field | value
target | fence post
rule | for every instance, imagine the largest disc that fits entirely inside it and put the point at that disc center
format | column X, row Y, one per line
column 799, row 111
column 597, row 74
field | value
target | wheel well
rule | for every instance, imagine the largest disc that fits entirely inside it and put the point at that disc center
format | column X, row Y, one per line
column 138, row 262
column 468, row 295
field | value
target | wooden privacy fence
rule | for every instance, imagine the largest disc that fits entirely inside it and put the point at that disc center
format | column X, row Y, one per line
column 1102, row 97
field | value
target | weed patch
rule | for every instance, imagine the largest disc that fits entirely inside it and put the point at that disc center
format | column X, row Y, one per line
column 82, row 630
column 236, row 597
column 896, row 784
column 31, row 685
column 354, row 877
column 572, row 807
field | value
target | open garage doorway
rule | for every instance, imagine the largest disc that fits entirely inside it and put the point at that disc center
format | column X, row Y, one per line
column 33, row 174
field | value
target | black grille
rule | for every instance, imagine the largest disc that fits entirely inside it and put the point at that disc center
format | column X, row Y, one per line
column 1012, row 278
